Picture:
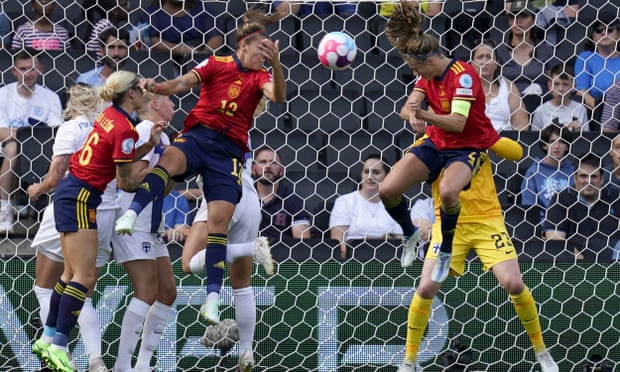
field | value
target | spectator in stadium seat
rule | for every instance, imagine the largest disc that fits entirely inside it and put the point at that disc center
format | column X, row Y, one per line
column 361, row 214
column 586, row 216
column 5, row 30
column 283, row 212
column 480, row 228
column 41, row 33
column 504, row 106
column 184, row 27
column 321, row 8
column 561, row 109
column 598, row 66
column 551, row 174
column 614, row 154
column 113, row 45
column 117, row 18
column 23, row 103
column 610, row 117
column 554, row 17
column 524, row 55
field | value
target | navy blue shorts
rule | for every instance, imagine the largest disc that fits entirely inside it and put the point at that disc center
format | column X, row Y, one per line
column 437, row 160
column 75, row 205
column 216, row 158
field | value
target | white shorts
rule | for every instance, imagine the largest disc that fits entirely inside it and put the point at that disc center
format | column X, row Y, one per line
column 246, row 219
column 138, row 246
column 47, row 239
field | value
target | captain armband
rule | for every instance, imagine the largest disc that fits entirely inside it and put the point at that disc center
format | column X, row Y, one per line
column 460, row 107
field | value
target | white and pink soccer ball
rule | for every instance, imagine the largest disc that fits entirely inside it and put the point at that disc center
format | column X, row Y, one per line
column 336, row 50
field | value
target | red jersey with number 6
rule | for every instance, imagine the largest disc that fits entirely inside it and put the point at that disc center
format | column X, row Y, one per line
column 111, row 141
column 229, row 94
column 460, row 81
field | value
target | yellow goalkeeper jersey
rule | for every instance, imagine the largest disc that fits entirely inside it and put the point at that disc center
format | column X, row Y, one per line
column 479, row 201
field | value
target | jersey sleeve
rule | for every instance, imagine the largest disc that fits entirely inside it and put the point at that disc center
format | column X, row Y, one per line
column 464, row 85
column 204, row 69
column 124, row 144
column 65, row 143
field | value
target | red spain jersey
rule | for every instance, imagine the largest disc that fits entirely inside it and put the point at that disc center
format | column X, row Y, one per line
column 459, row 81
column 110, row 142
column 229, row 95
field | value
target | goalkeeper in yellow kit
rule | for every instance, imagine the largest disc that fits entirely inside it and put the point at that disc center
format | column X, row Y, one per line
column 481, row 227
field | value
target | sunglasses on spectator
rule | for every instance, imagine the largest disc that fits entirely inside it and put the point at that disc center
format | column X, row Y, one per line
column 601, row 29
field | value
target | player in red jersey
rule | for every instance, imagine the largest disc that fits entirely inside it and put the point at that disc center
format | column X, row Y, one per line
column 214, row 138
column 455, row 127
column 107, row 153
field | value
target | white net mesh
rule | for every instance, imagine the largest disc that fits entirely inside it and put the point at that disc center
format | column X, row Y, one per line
column 317, row 312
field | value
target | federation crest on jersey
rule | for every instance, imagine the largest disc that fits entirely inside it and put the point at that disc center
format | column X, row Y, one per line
column 127, row 146
column 92, row 215
column 146, row 247
column 233, row 91
column 466, row 81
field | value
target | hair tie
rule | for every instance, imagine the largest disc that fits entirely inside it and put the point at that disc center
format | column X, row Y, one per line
column 250, row 34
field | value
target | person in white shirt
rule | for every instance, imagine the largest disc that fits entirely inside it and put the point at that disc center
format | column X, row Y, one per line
column 83, row 106
column 561, row 109
column 23, row 103
column 504, row 105
column 361, row 214
column 144, row 254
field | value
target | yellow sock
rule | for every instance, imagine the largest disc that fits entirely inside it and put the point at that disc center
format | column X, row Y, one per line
column 417, row 319
column 528, row 315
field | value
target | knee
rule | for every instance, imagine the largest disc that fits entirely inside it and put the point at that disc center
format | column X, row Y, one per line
column 147, row 295
column 449, row 195
column 167, row 295
column 427, row 290
column 513, row 286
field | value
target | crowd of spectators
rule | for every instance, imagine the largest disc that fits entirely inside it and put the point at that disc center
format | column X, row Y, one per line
column 527, row 86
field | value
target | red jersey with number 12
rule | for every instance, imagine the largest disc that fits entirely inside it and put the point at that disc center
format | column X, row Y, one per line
column 111, row 141
column 459, row 81
column 229, row 94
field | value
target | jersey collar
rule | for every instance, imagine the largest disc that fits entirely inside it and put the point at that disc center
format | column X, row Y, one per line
column 239, row 65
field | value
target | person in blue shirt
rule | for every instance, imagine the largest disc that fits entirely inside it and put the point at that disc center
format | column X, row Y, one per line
column 184, row 27
column 598, row 66
column 114, row 48
column 553, row 173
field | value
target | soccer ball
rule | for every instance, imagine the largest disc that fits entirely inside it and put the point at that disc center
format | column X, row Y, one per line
column 336, row 50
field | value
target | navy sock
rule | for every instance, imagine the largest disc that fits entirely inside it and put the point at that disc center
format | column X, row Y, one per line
column 449, row 217
column 215, row 261
column 52, row 316
column 151, row 189
column 400, row 213
column 69, row 310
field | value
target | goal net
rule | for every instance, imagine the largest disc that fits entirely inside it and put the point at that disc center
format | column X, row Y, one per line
column 321, row 312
